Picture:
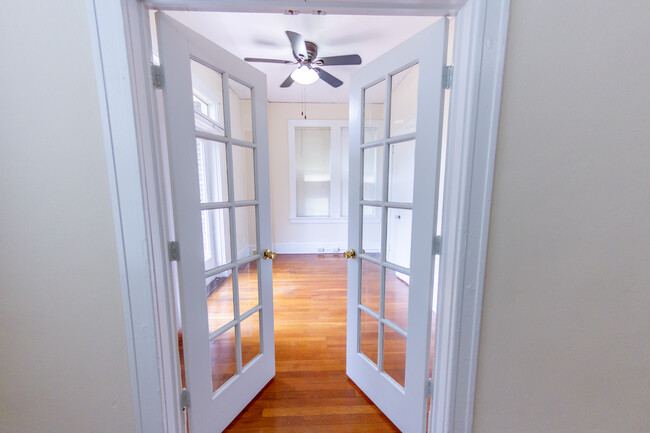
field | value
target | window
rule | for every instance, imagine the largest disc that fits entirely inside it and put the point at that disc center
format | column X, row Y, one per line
column 319, row 169
column 318, row 164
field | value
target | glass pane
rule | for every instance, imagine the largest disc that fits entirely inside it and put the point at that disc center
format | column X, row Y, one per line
column 373, row 173
column 345, row 169
column 374, row 100
column 250, row 338
column 369, row 332
column 394, row 354
column 370, row 280
column 246, row 228
column 398, row 237
column 371, row 231
column 223, row 358
column 404, row 101
column 213, row 171
column 400, row 172
column 220, row 300
column 207, row 89
column 312, row 172
column 243, row 171
column 241, row 114
column 248, row 286
column 216, row 237
column 396, row 298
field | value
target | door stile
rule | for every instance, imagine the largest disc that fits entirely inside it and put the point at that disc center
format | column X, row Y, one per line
column 215, row 402
column 405, row 406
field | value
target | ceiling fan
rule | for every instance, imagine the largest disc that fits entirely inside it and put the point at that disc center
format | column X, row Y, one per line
column 308, row 71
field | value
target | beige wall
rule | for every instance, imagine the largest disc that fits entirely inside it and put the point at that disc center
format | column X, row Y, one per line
column 63, row 362
column 285, row 232
column 565, row 338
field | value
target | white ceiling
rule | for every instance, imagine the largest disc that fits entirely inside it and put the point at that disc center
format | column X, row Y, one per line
column 263, row 35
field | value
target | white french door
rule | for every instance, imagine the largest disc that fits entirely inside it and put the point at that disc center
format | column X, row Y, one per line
column 396, row 111
column 216, row 119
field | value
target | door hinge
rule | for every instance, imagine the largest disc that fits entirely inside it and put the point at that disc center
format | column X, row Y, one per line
column 429, row 386
column 185, row 399
column 157, row 76
column 174, row 252
column 437, row 245
column 447, row 76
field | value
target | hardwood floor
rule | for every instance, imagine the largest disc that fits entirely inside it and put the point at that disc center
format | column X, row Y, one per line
column 310, row 392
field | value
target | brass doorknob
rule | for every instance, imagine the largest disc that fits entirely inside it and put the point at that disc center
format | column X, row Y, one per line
column 350, row 254
column 268, row 254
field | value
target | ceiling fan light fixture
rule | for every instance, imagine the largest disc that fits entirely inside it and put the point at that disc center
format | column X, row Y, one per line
column 304, row 75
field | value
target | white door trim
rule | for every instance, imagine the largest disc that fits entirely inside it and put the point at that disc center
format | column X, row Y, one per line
column 479, row 51
column 119, row 33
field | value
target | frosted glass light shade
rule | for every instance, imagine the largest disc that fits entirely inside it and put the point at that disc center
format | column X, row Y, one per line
column 304, row 75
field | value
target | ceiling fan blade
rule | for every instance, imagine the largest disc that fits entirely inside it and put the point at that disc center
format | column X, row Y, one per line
column 297, row 45
column 255, row 59
column 328, row 78
column 287, row 82
column 350, row 59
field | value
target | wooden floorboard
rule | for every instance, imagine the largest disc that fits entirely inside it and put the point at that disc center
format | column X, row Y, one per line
column 310, row 391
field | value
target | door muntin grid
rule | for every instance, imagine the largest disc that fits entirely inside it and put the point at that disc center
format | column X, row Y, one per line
column 388, row 354
column 235, row 336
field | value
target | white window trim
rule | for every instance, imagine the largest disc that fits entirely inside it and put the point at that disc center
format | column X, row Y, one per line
column 335, row 171
column 121, row 46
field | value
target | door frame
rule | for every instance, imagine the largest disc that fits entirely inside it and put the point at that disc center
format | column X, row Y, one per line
column 120, row 42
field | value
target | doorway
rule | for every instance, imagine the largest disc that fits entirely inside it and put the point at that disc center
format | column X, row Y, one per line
column 481, row 21
column 222, row 173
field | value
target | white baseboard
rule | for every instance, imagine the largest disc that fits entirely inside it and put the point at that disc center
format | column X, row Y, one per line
column 245, row 251
column 308, row 247
column 312, row 248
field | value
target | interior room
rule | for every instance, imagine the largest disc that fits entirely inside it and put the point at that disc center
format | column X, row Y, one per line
column 308, row 139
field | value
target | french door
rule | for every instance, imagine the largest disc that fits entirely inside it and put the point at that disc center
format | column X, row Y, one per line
column 396, row 111
column 217, row 134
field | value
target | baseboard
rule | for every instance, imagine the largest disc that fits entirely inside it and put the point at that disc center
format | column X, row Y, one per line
column 308, row 247
column 245, row 251
column 312, row 248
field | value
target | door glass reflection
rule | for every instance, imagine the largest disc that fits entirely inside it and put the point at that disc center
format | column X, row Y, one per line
column 250, row 338
column 394, row 355
column 369, row 332
column 370, row 282
column 213, row 172
column 243, row 171
column 398, row 237
column 241, row 113
column 207, row 98
column 401, row 165
column 223, row 358
column 396, row 298
column 373, row 173
column 247, row 279
column 246, row 228
column 215, row 224
column 374, row 100
column 404, row 101
column 220, row 300
column 371, row 230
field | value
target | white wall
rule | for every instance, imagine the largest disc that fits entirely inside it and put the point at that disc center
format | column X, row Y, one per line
column 565, row 339
column 63, row 359
column 295, row 236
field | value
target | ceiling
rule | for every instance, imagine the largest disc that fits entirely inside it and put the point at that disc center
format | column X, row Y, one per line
column 263, row 35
